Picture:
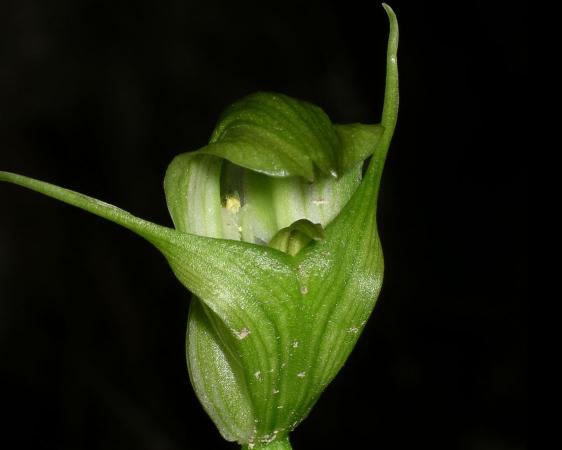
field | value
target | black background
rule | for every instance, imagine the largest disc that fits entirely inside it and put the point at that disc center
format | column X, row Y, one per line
column 99, row 96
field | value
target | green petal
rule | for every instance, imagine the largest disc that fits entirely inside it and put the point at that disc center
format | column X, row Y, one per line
column 265, row 204
column 192, row 186
column 193, row 195
column 357, row 142
column 277, row 135
column 253, row 291
column 217, row 376
column 271, row 204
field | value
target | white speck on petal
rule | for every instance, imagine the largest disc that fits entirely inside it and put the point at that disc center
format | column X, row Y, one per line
column 304, row 290
column 269, row 438
column 275, row 391
column 319, row 202
column 353, row 330
column 295, row 344
column 242, row 334
column 301, row 374
column 258, row 375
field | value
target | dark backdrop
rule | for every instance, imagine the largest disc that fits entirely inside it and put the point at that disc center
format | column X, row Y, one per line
column 99, row 96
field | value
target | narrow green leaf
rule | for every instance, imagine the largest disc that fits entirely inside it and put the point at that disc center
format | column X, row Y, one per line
column 112, row 213
column 391, row 91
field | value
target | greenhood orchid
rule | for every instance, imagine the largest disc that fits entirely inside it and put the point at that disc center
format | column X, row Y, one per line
column 275, row 235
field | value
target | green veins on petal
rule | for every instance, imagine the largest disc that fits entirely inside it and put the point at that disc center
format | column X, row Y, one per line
column 275, row 235
column 276, row 135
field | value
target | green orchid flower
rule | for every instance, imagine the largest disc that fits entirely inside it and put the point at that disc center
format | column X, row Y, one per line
column 275, row 235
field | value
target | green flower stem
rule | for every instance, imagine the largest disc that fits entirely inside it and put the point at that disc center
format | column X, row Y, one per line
column 278, row 444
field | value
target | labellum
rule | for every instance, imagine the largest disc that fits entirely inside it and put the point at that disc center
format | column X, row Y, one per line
column 275, row 235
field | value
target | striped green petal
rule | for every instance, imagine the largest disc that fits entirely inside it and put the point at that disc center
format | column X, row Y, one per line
column 277, row 135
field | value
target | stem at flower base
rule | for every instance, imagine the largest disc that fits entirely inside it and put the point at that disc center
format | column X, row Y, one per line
column 278, row 444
